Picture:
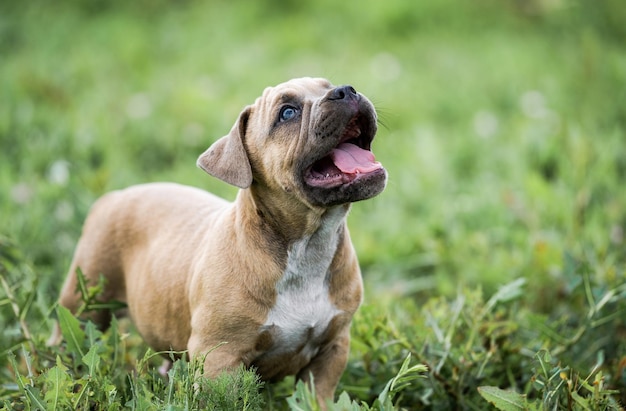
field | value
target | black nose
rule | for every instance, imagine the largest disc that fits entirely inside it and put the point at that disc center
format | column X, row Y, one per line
column 343, row 93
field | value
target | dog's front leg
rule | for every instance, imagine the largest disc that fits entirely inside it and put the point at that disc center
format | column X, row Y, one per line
column 327, row 366
column 215, row 356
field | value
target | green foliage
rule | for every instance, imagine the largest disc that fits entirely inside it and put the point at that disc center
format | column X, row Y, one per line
column 495, row 257
column 303, row 398
column 557, row 390
column 82, row 378
column 494, row 349
column 238, row 389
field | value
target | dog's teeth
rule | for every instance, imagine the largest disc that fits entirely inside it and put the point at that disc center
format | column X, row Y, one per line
column 327, row 175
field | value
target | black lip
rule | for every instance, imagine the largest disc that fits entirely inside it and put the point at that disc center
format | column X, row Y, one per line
column 363, row 187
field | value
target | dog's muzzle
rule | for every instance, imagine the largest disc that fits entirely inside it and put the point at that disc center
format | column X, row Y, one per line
column 347, row 171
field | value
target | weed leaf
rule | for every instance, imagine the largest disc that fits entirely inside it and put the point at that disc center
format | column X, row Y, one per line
column 406, row 375
column 92, row 359
column 56, row 379
column 402, row 380
column 344, row 403
column 502, row 399
column 34, row 396
column 303, row 398
column 92, row 333
column 70, row 327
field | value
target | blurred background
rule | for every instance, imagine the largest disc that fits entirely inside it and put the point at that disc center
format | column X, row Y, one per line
column 502, row 121
column 502, row 125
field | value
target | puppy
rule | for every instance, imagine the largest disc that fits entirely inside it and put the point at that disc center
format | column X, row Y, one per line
column 274, row 274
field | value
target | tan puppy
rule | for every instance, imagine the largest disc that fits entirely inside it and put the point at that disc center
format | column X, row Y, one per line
column 274, row 274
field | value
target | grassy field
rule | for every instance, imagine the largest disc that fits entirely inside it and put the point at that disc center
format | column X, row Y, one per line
column 495, row 257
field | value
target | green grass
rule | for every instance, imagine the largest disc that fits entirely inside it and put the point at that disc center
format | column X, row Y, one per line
column 495, row 256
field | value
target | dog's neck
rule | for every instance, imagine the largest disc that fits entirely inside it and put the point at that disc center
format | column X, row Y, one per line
column 301, row 307
column 289, row 221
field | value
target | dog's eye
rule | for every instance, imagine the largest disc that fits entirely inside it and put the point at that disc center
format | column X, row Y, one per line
column 287, row 113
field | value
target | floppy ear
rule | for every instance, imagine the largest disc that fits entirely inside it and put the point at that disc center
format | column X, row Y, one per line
column 227, row 159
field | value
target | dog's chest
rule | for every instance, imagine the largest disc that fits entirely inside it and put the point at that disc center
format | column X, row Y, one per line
column 303, row 310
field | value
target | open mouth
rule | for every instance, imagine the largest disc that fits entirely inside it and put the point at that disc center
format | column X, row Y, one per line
column 347, row 161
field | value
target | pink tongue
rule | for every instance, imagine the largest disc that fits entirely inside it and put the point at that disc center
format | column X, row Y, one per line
column 352, row 159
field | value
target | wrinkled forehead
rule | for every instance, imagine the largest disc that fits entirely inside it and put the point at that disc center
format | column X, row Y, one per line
column 300, row 89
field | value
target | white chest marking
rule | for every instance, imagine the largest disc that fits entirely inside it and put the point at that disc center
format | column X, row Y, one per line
column 303, row 308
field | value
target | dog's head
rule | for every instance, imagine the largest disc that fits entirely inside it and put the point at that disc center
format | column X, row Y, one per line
column 305, row 137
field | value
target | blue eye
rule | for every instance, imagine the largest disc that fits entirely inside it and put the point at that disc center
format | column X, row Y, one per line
column 287, row 113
